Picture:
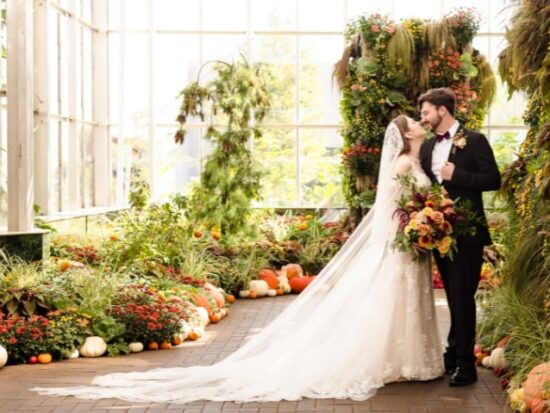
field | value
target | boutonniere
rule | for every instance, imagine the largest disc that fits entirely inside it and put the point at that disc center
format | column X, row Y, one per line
column 459, row 140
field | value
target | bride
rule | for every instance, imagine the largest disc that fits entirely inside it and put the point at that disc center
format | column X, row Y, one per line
column 368, row 319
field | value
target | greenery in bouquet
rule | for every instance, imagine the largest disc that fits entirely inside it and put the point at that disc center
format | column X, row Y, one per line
column 430, row 221
column 24, row 337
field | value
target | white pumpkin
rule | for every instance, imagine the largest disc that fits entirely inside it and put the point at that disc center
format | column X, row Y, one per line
column 259, row 286
column 284, row 284
column 271, row 292
column 496, row 360
column 94, row 346
column 136, row 347
column 3, row 357
column 75, row 354
column 185, row 329
column 204, row 318
column 244, row 293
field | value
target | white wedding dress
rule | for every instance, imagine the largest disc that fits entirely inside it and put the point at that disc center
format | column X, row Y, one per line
column 368, row 319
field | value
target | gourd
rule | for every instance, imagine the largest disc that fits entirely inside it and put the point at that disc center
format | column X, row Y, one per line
column 215, row 294
column 260, row 287
column 496, row 360
column 94, row 346
column 533, row 386
column 269, row 277
column 298, row 284
column 136, row 347
column 3, row 357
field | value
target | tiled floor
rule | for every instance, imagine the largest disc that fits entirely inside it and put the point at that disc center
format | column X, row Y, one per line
column 246, row 318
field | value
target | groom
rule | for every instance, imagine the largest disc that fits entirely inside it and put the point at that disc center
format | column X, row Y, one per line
column 463, row 162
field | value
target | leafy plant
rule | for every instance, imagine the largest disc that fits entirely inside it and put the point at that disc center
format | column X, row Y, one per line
column 230, row 180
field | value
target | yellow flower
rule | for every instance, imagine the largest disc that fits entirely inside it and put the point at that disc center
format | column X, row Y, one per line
column 413, row 223
column 444, row 244
column 428, row 211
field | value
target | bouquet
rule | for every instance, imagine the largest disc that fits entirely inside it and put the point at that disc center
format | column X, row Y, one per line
column 429, row 220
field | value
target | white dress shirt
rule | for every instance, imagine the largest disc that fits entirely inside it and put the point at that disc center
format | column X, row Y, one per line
column 441, row 152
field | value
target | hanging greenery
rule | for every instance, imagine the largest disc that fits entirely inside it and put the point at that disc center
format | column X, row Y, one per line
column 525, row 66
column 384, row 69
column 236, row 101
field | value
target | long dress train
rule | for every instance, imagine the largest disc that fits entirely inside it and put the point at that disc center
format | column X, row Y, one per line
column 368, row 319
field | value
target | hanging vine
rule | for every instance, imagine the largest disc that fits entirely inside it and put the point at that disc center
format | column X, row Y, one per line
column 235, row 102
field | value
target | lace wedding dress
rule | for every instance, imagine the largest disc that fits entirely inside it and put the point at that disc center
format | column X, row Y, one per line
column 368, row 319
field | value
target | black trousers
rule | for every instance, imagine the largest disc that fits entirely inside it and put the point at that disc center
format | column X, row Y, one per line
column 460, row 279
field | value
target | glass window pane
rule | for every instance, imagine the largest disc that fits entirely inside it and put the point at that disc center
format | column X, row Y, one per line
column 115, row 74
column 224, row 14
column 63, row 86
column 421, row 9
column 113, row 14
column 319, row 95
column 276, row 151
column 177, row 14
column 504, row 111
column 506, row 145
column 223, row 47
column 500, row 13
column 273, row 15
column 136, row 77
column 176, row 166
column 136, row 14
column 87, row 164
column 176, row 65
column 87, row 67
column 330, row 17
column 86, row 11
column 53, row 51
column 279, row 51
column 358, row 8
column 63, row 164
column 320, row 178
column 54, row 160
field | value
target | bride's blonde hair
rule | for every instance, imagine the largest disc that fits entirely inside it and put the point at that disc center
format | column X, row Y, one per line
column 402, row 124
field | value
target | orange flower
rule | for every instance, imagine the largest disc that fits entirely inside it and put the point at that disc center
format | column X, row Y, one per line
column 425, row 242
column 447, row 227
column 429, row 204
column 423, row 229
column 437, row 217
column 447, row 202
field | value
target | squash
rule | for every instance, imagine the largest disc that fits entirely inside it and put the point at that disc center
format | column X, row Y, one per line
column 93, row 346
column 244, row 293
column 75, row 354
column 298, row 284
column 283, row 283
column 271, row 292
column 269, row 277
column 202, row 301
column 260, row 287
column 533, row 386
column 496, row 360
column 539, row 406
column 230, row 298
column 136, row 347
column 165, row 345
column 293, row 270
column 45, row 358
column 204, row 316
column 3, row 357
column 215, row 294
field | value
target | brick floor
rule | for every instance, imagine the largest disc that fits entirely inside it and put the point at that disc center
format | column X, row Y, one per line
column 246, row 318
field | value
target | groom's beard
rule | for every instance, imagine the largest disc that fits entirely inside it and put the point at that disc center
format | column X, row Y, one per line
column 435, row 124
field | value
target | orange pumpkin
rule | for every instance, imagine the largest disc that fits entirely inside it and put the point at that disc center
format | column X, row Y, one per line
column 215, row 318
column 252, row 294
column 280, row 291
column 215, row 294
column 298, row 284
column 539, row 406
column 269, row 277
column 193, row 335
column 176, row 340
column 202, row 301
column 230, row 298
column 165, row 345
column 153, row 345
column 294, row 270
column 45, row 358
column 533, row 386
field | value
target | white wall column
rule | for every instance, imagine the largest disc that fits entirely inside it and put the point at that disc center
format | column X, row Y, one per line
column 42, row 166
column 100, row 106
column 20, row 116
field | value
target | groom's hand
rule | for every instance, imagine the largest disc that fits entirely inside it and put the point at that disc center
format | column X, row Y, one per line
column 447, row 171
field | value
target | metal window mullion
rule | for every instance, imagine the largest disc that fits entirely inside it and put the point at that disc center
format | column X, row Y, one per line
column 42, row 165
column 100, row 107
column 151, row 96
column 73, row 162
column 122, row 117
column 297, row 113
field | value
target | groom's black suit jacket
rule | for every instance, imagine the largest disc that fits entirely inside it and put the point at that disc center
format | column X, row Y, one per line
column 475, row 171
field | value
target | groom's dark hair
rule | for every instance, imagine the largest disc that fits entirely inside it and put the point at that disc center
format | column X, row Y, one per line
column 442, row 96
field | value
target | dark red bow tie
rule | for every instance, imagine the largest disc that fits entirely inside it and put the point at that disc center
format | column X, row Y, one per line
column 441, row 136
